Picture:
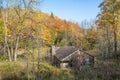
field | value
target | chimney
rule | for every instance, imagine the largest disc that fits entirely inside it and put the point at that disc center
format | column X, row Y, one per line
column 52, row 53
column 53, row 50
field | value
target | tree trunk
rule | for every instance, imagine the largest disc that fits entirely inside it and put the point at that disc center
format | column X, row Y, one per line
column 115, row 41
column 108, row 44
column 27, row 68
column 5, row 17
column 38, row 48
column 4, row 49
column 16, row 48
column 33, row 64
column 12, row 53
column 9, row 54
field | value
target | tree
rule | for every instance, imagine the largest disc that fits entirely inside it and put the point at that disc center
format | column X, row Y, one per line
column 5, row 20
column 109, row 19
column 52, row 15
column 14, row 23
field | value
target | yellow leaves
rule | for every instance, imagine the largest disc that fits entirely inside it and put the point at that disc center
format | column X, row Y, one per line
column 45, row 35
column 1, row 40
column 9, row 35
column 38, row 25
column 19, row 27
column 24, row 37
column 81, row 35
column 119, row 31
column 40, row 16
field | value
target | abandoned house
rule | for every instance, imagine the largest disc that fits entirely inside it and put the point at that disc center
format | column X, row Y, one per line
column 69, row 56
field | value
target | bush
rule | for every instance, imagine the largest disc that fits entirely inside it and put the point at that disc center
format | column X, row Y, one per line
column 10, row 70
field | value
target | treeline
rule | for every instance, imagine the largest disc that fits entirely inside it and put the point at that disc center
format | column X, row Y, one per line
column 21, row 26
column 26, row 34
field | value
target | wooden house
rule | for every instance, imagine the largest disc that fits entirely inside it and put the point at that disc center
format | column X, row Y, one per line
column 69, row 56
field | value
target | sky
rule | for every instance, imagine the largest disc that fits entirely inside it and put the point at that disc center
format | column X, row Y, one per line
column 72, row 10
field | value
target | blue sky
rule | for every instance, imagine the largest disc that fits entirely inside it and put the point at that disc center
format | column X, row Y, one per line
column 73, row 10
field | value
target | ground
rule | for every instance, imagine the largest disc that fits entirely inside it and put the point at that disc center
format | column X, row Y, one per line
column 23, row 70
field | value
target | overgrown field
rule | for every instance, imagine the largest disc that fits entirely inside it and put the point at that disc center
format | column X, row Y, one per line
column 21, row 70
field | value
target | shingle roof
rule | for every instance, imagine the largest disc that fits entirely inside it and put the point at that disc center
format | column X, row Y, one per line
column 65, row 51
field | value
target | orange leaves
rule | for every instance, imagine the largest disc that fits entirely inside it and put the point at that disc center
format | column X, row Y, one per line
column 60, row 25
column 41, row 25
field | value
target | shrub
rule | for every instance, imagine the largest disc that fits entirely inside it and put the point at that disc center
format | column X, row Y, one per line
column 10, row 70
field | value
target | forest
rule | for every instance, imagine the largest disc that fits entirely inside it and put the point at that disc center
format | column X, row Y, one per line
column 27, row 34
